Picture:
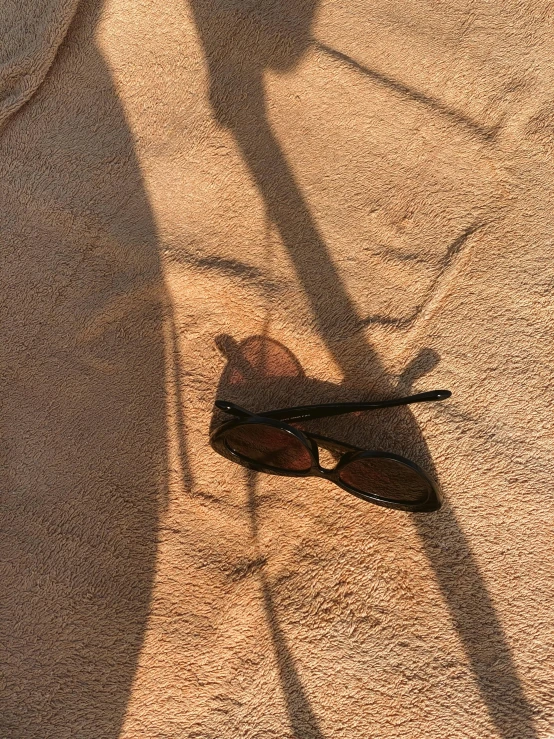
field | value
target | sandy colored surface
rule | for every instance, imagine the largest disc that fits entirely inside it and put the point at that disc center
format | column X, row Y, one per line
column 274, row 202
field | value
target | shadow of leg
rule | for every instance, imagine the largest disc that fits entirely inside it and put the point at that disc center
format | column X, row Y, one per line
column 84, row 408
column 238, row 50
column 477, row 624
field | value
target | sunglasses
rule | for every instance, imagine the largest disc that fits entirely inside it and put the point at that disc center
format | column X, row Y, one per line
column 264, row 442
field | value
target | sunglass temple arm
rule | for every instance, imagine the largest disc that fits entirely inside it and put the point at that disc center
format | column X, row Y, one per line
column 310, row 412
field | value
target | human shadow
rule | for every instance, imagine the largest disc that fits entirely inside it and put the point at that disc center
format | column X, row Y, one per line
column 241, row 41
column 84, row 407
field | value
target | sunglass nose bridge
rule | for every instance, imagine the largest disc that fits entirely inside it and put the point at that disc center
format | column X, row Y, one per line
column 328, row 459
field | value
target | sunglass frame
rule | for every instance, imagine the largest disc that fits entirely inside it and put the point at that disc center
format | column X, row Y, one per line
column 310, row 441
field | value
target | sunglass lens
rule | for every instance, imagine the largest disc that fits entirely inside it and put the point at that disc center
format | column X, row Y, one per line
column 386, row 478
column 269, row 446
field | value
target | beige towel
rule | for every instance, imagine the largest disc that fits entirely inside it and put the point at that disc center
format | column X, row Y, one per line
column 274, row 202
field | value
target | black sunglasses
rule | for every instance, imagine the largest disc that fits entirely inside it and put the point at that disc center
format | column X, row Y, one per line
column 265, row 443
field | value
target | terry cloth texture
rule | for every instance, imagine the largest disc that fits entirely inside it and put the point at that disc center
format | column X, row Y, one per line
column 274, row 203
